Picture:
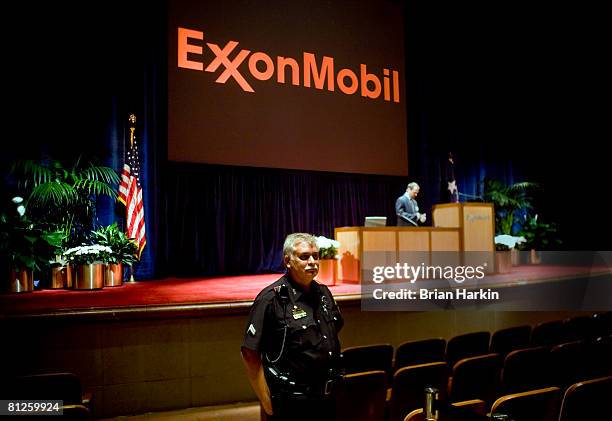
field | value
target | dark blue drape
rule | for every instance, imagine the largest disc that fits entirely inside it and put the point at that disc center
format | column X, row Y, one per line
column 231, row 220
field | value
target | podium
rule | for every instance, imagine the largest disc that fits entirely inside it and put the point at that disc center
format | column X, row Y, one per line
column 476, row 224
column 462, row 234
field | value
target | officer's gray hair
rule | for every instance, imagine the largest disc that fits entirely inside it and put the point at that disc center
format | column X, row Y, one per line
column 296, row 238
column 412, row 186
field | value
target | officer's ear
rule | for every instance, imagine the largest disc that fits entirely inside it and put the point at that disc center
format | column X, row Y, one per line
column 286, row 258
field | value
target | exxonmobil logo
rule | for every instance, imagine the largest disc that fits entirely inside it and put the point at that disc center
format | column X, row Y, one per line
column 320, row 74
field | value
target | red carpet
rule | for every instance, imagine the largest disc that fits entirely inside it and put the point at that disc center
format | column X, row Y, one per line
column 175, row 291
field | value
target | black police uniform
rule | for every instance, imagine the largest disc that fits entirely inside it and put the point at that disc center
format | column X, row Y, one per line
column 296, row 334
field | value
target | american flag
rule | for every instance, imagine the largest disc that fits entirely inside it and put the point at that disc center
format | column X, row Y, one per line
column 130, row 192
column 451, row 182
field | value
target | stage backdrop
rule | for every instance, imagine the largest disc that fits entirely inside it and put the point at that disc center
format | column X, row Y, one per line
column 288, row 84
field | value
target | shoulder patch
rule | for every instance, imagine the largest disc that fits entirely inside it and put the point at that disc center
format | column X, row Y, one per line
column 252, row 329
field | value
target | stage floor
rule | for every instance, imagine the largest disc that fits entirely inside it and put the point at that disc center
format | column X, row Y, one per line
column 219, row 294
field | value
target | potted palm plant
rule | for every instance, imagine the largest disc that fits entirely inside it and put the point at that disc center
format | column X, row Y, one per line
column 123, row 251
column 63, row 197
column 507, row 200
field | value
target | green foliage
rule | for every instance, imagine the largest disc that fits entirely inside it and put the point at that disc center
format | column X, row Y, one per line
column 26, row 244
column 507, row 200
column 539, row 235
column 63, row 198
column 501, row 247
column 124, row 248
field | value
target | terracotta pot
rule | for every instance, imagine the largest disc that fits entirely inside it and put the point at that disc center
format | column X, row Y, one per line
column 90, row 276
column 327, row 271
column 503, row 261
column 21, row 280
column 113, row 275
column 61, row 277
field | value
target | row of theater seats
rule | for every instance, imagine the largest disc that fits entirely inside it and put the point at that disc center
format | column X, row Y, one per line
column 66, row 387
column 361, row 398
column 547, row 334
column 484, row 367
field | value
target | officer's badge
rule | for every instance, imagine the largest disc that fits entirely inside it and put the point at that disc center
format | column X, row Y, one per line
column 252, row 329
column 298, row 313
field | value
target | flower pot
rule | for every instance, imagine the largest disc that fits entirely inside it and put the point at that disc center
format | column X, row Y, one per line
column 327, row 271
column 89, row 276
column 113, row 275
column 535, row 257
column 503, row 261
column 516, row 257
column 21, row 280
column 61, row 277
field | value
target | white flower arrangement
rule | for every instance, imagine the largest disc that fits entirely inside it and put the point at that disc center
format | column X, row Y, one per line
column 328, row 248
column 507, row 241
column 88, row 254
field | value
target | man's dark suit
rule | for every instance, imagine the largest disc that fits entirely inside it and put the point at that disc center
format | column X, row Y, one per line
column 406, row 210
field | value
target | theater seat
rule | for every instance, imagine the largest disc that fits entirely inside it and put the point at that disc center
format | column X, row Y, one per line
column 526, row 369
column 419, row 352
column 467, row 345
column 507, row 340
column 361, row 397
column 540, row 404
column 472, row 410
column 568, row 363
column 76, row 412
column 587, row 400
column 475, row 378
column 547, row 333
column 62, row 386
column 359, row 359
column 408, row 387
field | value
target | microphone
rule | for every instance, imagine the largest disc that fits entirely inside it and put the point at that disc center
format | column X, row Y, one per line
column 471, row 196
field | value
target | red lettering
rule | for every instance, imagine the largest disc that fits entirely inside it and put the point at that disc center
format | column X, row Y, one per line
column 369, row 77
column 327, row 68
column 349, row 90
column 231, row 67
column 184, row 48
column 267, row 74
column 281, row 63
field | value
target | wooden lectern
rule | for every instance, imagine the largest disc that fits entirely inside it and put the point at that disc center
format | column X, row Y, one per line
column 476, row 223
column 462, row 234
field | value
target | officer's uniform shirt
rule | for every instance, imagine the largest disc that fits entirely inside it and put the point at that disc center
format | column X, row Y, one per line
column 313, row 320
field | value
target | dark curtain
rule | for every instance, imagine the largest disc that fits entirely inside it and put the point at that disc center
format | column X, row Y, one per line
column 232, row 220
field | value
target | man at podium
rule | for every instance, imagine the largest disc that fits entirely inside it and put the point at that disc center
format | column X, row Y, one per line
column 407, row 208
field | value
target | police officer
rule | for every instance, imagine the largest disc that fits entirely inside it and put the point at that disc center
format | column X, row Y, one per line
column 291, row 349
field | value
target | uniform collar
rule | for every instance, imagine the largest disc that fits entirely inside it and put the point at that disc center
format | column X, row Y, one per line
column 296, row 291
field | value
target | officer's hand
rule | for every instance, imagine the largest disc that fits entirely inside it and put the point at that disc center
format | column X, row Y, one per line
column 267, row 407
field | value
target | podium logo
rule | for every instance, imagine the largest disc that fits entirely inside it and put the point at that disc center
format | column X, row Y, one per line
column 318, row 73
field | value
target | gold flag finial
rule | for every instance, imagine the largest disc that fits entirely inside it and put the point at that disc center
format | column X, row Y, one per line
column 132, row 118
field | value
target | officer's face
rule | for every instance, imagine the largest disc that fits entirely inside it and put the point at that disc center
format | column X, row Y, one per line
column 413, row 193
column 303, row 264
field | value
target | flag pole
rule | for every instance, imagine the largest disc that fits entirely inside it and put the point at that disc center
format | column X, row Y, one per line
column 131, row 279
